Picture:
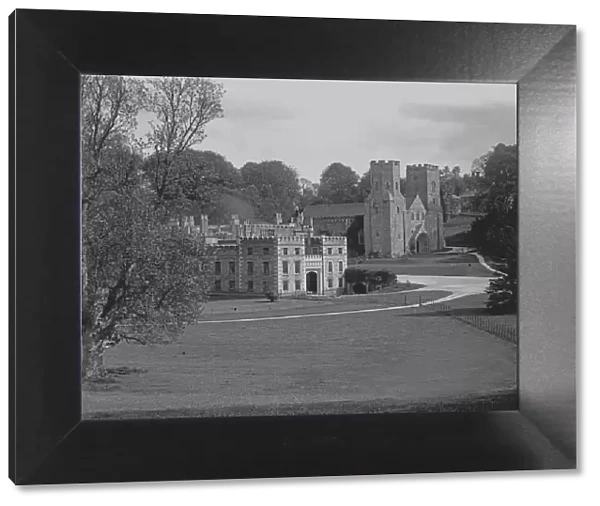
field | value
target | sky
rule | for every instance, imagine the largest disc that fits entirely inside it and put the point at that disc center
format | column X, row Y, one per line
column 310, row 124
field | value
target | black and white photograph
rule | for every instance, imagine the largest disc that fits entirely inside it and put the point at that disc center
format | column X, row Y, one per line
column 257, row 247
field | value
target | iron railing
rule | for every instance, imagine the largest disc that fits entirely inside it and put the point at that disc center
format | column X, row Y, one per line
column 487, row 323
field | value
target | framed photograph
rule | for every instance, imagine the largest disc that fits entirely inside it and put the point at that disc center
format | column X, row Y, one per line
column 260, row 247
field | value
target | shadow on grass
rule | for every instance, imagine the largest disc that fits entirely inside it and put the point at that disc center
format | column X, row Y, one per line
column 463, row 311
column 109, row 382
column 506, row 400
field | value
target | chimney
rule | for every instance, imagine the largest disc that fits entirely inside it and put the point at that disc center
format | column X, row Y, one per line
column 278, row 218
column 204, row 224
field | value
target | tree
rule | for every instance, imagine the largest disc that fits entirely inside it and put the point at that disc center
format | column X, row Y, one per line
column 352, row 236
column 272, row 186
column 227, row 174
column 364, row 186
column 339, row 184
column 495, row 233
column 143, row 280
column 183, row 107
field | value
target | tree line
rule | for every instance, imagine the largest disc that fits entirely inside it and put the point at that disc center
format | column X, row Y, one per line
column 495, row 232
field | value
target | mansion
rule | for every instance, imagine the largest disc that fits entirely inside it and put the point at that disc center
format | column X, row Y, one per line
column 282, row 258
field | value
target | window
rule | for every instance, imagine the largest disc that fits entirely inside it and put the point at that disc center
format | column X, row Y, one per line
column 231, row 267
column 232, row 285
column 387, row 185
column 297, row 251
column 376, row 209
column 298, row 285
column 330, row 267
column 250, row 286
column 217, row 268
column 250, row 268
column 265, row 286
column 341, row 283
column 265, row 267
column 397, row 187
column 297, row 266
column 397, row 209
column 340, row 251
column 285, row 251
column 265, row 251
column 329, row 251
column 412, row 216
column 286, row 286
column 218, row 285
column 433, row 186
column 315, row 251
column 341, row 266
column 284, row 265
column 377, row 185
column 329, row 283
column 249, row 251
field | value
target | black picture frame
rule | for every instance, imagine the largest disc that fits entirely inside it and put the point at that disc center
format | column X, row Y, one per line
column 49, row 443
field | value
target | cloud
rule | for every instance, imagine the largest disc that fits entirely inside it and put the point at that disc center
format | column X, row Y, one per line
column 309, row 124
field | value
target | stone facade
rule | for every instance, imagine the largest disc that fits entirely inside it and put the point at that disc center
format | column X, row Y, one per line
column 385, row 211
column 394, row 224
column 286, row 259
column 423, row 184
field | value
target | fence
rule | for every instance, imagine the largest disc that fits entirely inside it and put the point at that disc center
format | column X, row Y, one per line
column 483, row 322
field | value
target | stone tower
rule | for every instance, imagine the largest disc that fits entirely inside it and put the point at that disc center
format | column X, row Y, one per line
column 385, row 211
column 423, row 181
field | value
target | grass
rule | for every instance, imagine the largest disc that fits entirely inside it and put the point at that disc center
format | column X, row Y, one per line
column 505, row 400
column 235, row 309
column 430, row 264
column 458, row 224
column 475, row 305
column 357, row 363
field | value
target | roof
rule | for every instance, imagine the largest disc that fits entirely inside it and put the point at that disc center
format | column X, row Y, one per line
column 417, row 203
column 334, row 210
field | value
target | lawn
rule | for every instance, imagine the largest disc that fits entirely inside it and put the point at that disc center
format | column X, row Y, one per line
column 457, row 225
column 431, row 264
column 475, row 305
column 355, row 362
column 254, row 308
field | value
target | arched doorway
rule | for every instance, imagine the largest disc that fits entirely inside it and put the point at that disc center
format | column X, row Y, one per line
column 359, row 288
column 312, row 283
column 423, row 243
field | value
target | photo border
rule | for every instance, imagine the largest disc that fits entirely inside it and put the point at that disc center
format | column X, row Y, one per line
column 49, row 443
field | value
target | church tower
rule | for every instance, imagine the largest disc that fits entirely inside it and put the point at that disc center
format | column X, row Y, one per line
column 423, row 187
column 385, row 211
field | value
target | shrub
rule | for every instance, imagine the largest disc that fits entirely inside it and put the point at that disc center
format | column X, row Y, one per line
column 272, row 296
column 372, row 279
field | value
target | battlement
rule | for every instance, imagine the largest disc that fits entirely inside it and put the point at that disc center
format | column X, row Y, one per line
column 428, row 166
column 333, row 238
column 384, row 162
column 258, row 238
column 290, row 239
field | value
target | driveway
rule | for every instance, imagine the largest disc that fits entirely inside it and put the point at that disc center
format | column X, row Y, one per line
column 460, row 286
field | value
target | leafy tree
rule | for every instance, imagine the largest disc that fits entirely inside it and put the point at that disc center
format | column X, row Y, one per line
column 228, row 176
column 495, row 234
column 183, row 107
column 143, row 280
column 364, row 186
column 339, row 184
column 272, row 186
column 354, row 246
